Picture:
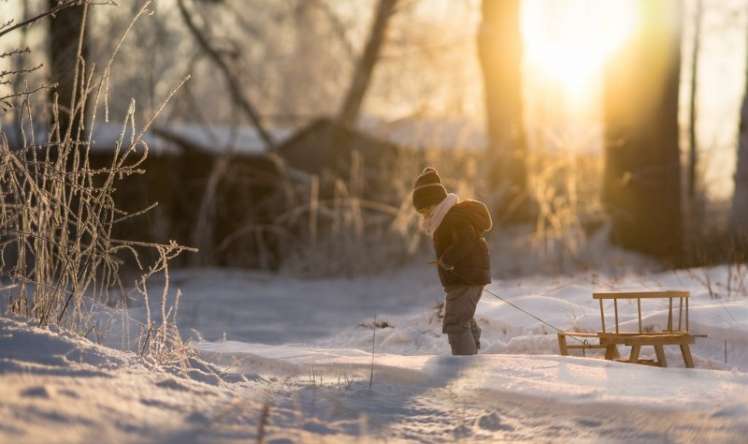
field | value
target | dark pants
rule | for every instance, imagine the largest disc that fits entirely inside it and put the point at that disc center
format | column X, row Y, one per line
column 459, row 324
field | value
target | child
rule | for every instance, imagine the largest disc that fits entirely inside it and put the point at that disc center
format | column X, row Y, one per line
column 457, row 229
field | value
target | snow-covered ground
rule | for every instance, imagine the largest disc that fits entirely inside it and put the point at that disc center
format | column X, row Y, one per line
column 296, row 348
column 227, row 307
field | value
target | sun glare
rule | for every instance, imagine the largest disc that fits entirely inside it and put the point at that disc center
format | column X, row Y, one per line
column 568, row 41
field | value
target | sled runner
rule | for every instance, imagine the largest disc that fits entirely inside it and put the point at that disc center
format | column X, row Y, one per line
column 610, row 341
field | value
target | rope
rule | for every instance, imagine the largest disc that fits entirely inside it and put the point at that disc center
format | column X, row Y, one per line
column 512, row 304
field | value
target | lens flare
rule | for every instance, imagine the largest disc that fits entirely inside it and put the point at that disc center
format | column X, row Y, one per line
column 569, row 41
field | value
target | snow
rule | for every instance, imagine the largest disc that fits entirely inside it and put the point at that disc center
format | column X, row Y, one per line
column 56, row 387
column 297, row 348
column 215, row 139
column 222, row 138
column 270, row 309
column 421, row 132
column 429, row 132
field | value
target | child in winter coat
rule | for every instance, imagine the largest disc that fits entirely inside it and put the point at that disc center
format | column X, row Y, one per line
column 462, row 256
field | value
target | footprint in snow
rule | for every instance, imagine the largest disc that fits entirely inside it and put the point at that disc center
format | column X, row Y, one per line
column 731, row 411
column 207, row 378
column 492, row 421
column 317, row 427
column 172, row 384
column 38, row 391
column 69, row 393
column 198, row 418
column 158, row 403
column 586, row 422
column 462, row 431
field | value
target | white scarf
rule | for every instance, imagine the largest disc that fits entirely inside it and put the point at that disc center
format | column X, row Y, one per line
column 430, row 223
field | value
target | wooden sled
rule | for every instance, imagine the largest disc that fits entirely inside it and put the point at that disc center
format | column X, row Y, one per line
column 609, row 341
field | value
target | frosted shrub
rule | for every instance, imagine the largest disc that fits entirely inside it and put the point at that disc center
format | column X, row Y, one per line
column 57, row 211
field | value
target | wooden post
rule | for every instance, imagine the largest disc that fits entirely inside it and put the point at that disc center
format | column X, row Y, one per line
column 680, row 312
column 602, row 315
column 685, row 350
column 670, row 315
column 313, row 209
column 615, row 304
column 660, row 352
column 611, row 352
column 563, row 351
column 634, row 356
column 686, row 314
column 639, row 311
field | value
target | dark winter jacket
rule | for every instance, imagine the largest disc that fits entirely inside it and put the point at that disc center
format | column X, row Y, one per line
column 459, row 243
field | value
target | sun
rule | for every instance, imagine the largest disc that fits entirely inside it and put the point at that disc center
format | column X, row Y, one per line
column 569, row 41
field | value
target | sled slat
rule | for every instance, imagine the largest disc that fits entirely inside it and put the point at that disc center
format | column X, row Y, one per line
column 640, row 294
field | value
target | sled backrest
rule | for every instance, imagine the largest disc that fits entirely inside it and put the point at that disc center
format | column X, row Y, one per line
column 639, row 295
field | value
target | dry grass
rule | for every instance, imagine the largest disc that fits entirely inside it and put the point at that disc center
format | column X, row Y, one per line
column 57, row 212
column 346, row 233
column 349, row 235
column 564, row 189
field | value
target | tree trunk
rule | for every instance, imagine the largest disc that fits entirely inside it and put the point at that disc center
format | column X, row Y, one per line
column 738, row 223
column 500, row 54
column 65, row 29
column 693, row 148
column 641, row 187
column 351, row 109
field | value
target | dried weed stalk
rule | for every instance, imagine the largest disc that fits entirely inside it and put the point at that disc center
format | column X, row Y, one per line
column 57, row 211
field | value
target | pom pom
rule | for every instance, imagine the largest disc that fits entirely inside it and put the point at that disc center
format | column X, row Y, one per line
column 429, row 170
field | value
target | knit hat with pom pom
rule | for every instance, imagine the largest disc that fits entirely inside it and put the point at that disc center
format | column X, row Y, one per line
column 428, row 189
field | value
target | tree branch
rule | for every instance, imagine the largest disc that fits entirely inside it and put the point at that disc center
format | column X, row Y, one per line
column 31, row 20
column 338, row 27
column 237, row 94
column 354, row 99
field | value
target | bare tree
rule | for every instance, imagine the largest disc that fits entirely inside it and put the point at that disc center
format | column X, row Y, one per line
column 641, row 186
column 58, row 6
column 739, row 211
column 236, row 91
column 67, row 39
column 351, row 109
column 500, row 54
column 695, row 56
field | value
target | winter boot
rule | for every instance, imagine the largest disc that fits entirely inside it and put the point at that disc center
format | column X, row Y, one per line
column 462, row 343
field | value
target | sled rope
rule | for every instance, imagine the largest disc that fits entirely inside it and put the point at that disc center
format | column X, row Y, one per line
column 512, row 304
column 543, row 321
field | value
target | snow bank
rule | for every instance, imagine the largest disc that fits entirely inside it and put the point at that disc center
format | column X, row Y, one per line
column 58, row 387
column 52, row 350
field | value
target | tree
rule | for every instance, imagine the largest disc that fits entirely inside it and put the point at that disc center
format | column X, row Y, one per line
column 67, row 41
column 738, row 222
column 500, row 54
column 354, row 98
column 234, row 83
column 695, row 57
column 641, row 188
